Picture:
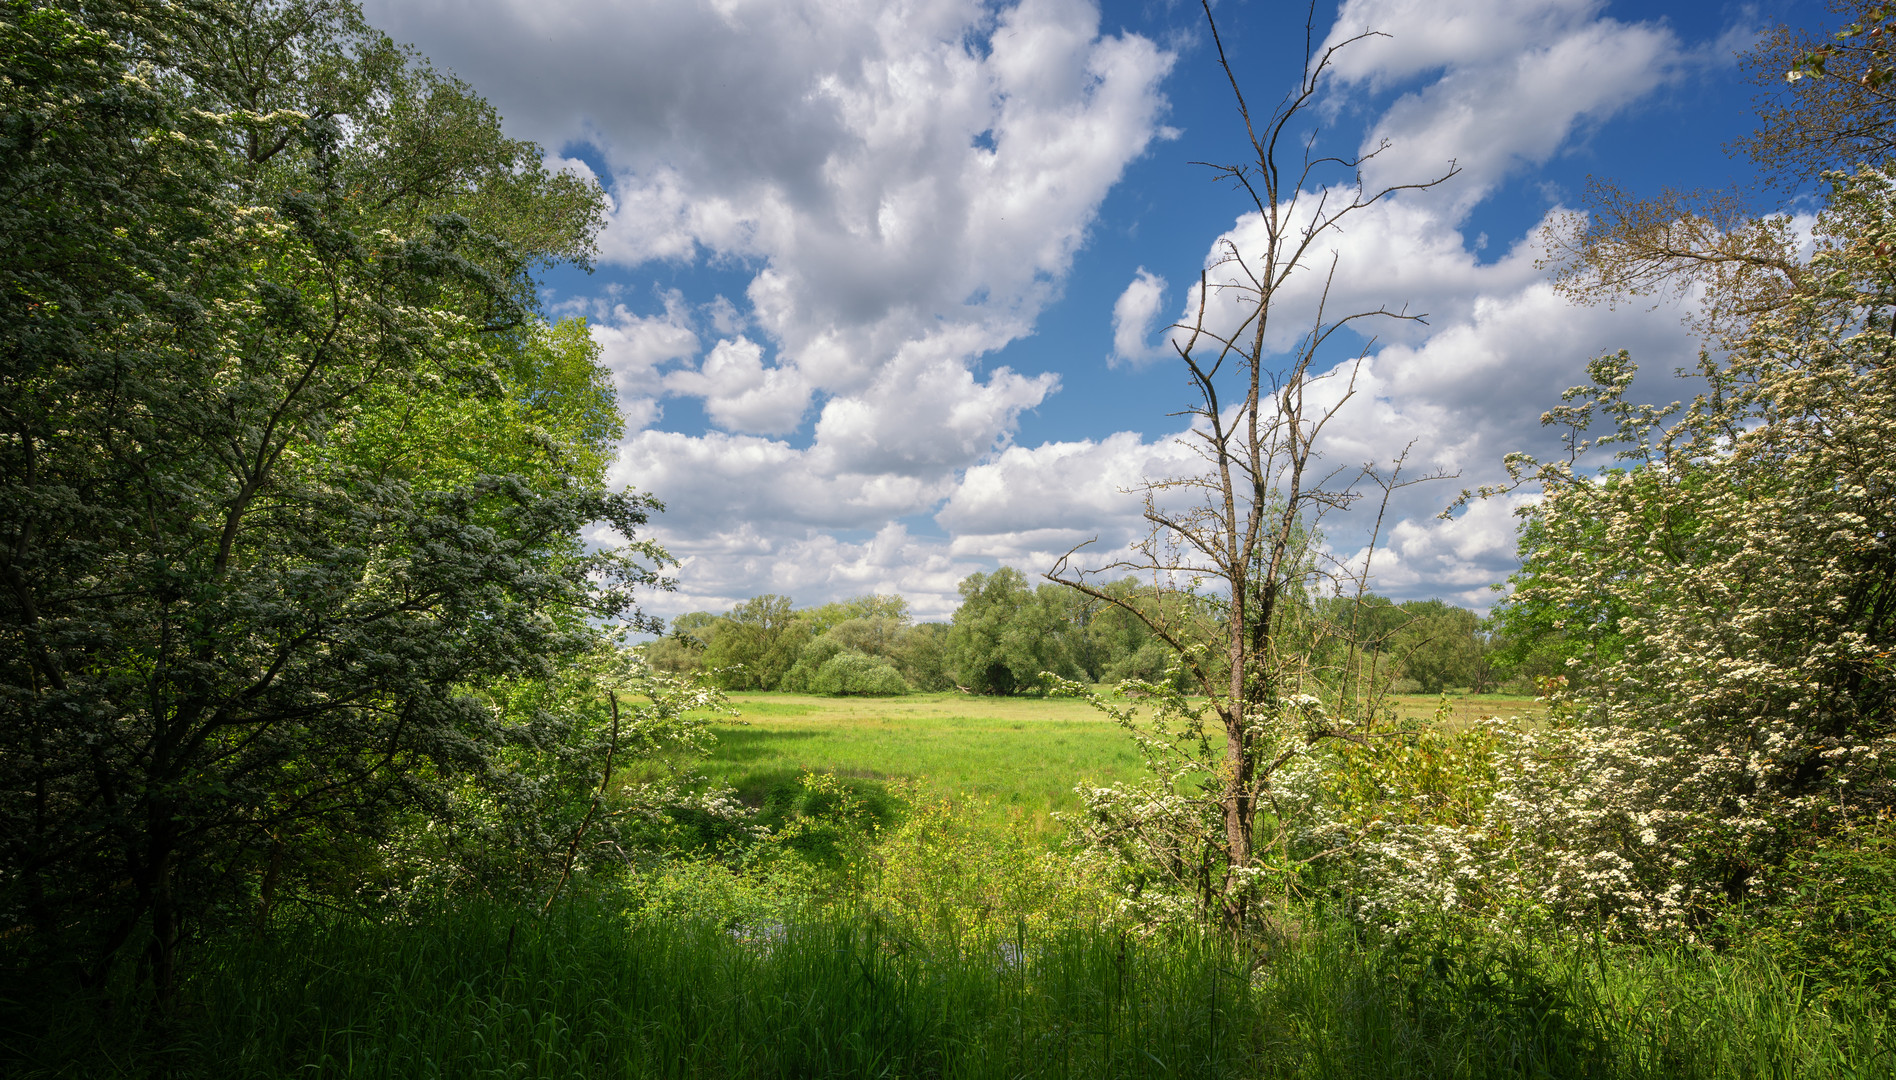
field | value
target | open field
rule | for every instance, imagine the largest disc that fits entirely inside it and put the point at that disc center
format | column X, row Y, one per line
column 1464, row 709
column 1021, row 756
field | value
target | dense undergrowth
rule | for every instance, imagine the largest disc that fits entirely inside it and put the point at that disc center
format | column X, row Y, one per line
column 484, row 989
column 873, row 931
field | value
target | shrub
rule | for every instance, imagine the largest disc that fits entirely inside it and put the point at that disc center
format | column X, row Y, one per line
column 802, row 674
column 1830, row 914
column 857, row 673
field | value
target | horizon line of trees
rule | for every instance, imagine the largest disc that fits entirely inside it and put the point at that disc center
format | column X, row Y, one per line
column 1007, row 632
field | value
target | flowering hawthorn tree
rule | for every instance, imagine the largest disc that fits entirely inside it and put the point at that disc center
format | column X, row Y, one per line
column 1731, row 584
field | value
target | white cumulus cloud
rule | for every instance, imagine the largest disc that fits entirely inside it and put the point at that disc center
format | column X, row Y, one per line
column 902, row 188
column 1133, row 315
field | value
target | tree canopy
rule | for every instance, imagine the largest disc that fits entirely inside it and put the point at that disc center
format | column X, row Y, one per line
column 291, row 466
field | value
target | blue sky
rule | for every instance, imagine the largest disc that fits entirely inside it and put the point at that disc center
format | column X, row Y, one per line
column 885, row 283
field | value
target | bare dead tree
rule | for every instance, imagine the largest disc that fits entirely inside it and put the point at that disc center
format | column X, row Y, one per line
column 1246, row 522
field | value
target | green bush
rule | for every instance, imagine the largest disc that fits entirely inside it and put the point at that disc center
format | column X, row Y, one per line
column 1831, row 915
column 802, row 674
column 857, row 673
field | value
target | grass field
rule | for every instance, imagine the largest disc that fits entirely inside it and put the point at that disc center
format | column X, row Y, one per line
column 1019, row 756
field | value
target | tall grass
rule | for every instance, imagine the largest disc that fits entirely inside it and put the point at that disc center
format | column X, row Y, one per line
column 488, row 990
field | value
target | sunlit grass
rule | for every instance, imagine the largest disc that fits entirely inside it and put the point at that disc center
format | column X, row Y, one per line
column 1464, row 708
column 1020, row 757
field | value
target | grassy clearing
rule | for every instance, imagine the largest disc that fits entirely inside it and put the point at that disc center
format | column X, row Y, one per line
column 1021, row 757
column 487, row 990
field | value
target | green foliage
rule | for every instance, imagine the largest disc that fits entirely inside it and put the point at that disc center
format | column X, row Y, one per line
column 675, row 653
column 1007, row 634
column 950, row 877
column 1439, row 645
column 755, row 644
column 857, row 673
column 1829, row 913
column 1010, row 635
column 882, row 615
column 1400, row 830
column 922, row 657
column 291, row 471
column 810, row 659
column 1731, row 582
column 546, row 804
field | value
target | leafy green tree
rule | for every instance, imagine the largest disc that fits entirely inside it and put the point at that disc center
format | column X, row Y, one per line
column 542, row 811
column 1439, row 644
column 874, row 635
column 811, row 657
column 698, row 626
column 922, row 657
column 1006, row 634
column 887, row 611
column 681, row 651
column 851, row 672
column 756, row 643
column 290, row 468
column 1542, row 635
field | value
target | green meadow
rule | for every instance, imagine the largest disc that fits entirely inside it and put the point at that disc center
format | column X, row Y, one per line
column 1013, row 758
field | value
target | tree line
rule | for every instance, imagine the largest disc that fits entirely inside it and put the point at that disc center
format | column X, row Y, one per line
column 1008, row 636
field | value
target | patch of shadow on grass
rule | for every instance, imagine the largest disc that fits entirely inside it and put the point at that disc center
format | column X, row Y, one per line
column 749, row 745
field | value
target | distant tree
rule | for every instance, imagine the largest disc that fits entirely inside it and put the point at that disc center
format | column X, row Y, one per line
column 699, row 626
column 673, row 654
column 681, row 651
column 892, row 611
column 800, row 677
column 851, row 672
column 1006, row 634
column 922, row 657
column 875, row 635
column 755, row 644
column 1439, row 644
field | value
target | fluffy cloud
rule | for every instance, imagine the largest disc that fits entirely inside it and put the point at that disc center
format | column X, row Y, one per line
column 891, row 165
column 1517, row 79
column 1133, row 315
column 890, row 191
column 636, row 347
column 1471, row 350
column 904, row 183
column 740, row 393
column 722, row 568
